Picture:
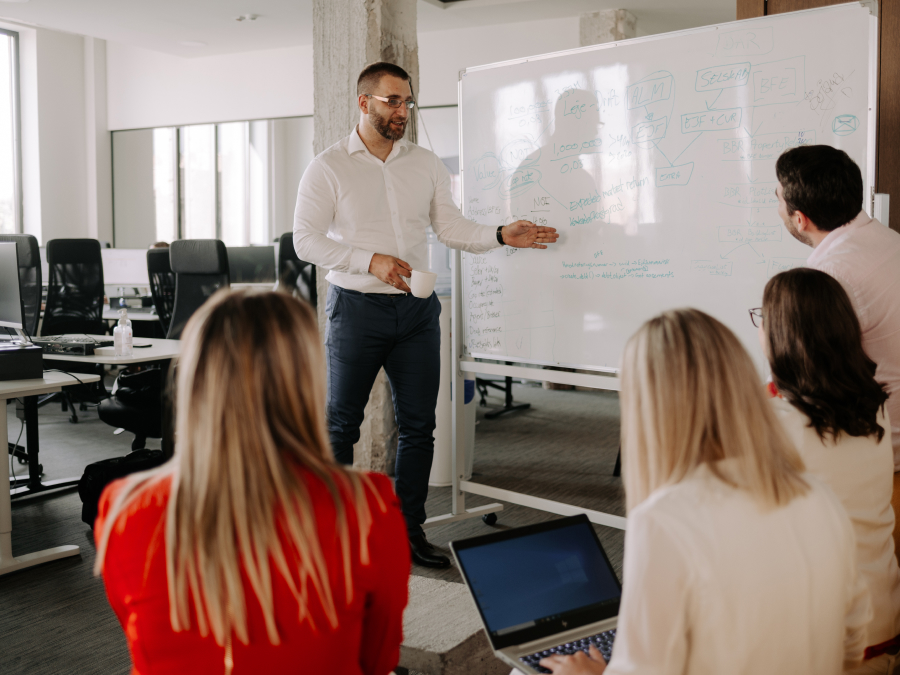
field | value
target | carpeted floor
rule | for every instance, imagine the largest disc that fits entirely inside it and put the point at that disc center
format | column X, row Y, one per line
column 55, row 619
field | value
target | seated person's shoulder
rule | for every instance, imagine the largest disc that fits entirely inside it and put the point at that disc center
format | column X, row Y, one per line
column 145, row 507
column 380, row 489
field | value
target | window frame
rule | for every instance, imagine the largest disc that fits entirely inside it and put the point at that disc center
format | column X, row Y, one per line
column 16, row 113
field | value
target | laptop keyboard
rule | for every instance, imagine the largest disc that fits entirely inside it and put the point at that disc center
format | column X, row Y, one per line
column 602, row 641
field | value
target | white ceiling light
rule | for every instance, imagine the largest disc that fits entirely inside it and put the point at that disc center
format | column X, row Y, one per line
column 192, row 43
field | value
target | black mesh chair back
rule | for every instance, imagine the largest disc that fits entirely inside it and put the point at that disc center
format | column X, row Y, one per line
column 201, row 268
column 294, row 275
column 29, row 255
column 75, row 289
column 162, row 285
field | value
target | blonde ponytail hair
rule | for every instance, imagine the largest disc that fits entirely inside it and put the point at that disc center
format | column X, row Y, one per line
column 691, row 396
column 250, row 413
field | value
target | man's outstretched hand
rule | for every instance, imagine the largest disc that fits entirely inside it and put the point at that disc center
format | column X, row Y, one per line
column 391, row 271
column 525, row 234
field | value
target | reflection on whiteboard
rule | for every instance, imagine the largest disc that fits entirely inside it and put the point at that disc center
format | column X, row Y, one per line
column 655, row 161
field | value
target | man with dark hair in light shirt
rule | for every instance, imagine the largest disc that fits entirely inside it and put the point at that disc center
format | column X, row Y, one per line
column 362, row 211
column 820, row 197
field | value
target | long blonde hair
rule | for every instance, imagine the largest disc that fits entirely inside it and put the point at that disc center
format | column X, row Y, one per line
column 691, row 396
column 250, row 413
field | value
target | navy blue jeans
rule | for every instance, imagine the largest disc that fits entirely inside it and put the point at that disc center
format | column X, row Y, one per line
column 400, row 333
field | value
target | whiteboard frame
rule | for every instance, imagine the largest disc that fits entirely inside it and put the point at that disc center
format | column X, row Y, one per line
column 465, row 363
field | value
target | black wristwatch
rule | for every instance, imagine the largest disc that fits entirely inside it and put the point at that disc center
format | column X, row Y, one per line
column 500, row 236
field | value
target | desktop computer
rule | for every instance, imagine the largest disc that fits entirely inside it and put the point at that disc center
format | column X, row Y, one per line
column 19, row 359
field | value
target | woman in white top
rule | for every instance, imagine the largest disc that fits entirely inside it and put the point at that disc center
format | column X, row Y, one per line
column 827, row 398
column 735, row 561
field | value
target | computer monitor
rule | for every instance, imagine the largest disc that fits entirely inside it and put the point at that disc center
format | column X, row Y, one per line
column 12, row 313
column 251, row 264
column 125, row 267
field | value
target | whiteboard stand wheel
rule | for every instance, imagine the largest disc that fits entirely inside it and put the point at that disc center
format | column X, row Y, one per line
column 489, row 519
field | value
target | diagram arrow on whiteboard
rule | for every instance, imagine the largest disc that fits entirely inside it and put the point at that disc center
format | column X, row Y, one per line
column 655, row 145
column 725, row 257
column 709, row 106
column 697, row 135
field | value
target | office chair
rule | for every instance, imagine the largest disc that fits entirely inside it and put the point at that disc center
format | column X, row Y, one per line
column 162, row 285
column 201, row 268
column 29, row 256
column 251, row 264
column 136, row 404
column 295, row 276
column 75, row 305
column 75, row 288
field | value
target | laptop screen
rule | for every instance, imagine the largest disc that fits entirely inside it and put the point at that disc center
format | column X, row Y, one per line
column 539, row 575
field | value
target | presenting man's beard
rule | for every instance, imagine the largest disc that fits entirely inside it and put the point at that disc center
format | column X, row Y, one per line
column 383, row 127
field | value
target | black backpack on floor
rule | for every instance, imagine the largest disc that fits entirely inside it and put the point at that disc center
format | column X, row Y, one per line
column 100, row 474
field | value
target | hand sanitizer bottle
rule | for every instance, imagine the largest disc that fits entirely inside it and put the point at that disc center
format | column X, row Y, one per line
column 122, row 336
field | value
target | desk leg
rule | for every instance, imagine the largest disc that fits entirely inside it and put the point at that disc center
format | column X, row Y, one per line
column 31, row 442
column 35, row 484
column 9, row 563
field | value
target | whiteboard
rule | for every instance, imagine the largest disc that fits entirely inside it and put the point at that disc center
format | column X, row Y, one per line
column 654, row 159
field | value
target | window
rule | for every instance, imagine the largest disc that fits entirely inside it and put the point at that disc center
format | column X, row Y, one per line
column 235, row 181
column 10, row 164
column 243, row 182
column 212, row 181
column 165, row 183
column 198, row 180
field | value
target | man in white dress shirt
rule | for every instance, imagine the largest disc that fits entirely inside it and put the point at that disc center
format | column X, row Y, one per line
column 820, row 194
column 362, row 211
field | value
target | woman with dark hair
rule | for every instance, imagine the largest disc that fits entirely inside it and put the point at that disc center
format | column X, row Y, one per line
column 825, row 393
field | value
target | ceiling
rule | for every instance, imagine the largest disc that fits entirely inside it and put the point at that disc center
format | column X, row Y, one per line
column 166, row 25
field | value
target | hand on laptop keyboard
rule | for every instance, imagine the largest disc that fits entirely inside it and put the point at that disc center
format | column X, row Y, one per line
column 601, row 642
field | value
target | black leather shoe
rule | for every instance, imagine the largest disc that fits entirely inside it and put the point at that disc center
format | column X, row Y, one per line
column 424, row 553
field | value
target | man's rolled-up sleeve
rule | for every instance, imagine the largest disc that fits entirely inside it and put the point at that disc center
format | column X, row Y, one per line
column 313, row 215
column 451, row 228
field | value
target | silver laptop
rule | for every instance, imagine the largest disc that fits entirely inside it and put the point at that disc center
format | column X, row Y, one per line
column 542, row 589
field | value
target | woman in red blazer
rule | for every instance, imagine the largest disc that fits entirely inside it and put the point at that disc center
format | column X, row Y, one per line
column 252, row 550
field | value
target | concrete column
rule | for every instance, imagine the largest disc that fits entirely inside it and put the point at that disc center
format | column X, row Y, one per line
column 607, row 25
column 347, row 35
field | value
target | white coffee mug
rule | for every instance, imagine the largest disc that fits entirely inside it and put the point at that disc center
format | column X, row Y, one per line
column 422, row 283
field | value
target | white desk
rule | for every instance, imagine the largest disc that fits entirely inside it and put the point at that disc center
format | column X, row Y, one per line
column 112, row 314
column 50, row 383
column 158, row 350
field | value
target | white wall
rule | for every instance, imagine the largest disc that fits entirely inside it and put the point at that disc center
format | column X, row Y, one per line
column 63, row 142
column 98, row 142
column 66, row 181
column 151, row 89
column 442, row 54
column 135, row 205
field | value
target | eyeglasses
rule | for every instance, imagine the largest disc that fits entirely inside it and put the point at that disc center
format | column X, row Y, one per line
column 393, row 102
column 755, row 314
